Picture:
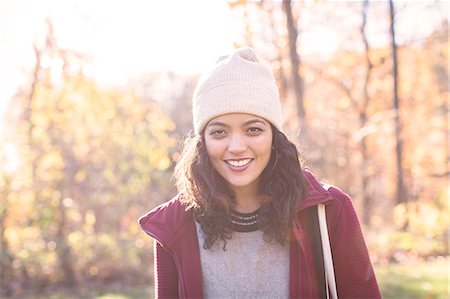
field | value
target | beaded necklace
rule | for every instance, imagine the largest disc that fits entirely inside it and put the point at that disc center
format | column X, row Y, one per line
column 243, row 222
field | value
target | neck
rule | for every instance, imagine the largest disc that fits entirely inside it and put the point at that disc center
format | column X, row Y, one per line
column 246, row 200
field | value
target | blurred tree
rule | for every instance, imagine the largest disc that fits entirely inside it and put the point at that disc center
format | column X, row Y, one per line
column 296, row 77
column 6, row 256
column 92, row 160
column 365, row 173
column 401, row 195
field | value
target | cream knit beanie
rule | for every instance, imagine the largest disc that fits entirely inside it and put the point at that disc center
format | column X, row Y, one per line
column 238, row 83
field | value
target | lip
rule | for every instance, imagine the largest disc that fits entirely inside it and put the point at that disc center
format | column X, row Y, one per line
column 238, row 168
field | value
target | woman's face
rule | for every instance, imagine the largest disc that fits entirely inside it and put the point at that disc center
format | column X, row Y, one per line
column 239, row 146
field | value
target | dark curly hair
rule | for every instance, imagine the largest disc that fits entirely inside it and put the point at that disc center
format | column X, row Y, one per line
column 205, row 192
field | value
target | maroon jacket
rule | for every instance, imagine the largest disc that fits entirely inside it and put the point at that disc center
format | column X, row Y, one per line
column 175, row 231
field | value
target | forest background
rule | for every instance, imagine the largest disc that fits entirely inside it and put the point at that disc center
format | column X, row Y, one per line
column 94, row 108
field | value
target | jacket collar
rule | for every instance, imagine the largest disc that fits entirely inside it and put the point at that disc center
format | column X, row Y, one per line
column 316, row 194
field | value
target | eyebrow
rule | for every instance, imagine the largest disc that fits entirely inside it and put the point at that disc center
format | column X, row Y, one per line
column 249, row 122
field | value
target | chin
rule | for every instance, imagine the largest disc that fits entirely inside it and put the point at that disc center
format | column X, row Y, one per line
column 240, row 184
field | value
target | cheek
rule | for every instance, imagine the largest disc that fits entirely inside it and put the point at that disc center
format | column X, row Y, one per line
column 265, row 153
column 213, row 149
column 264, row 147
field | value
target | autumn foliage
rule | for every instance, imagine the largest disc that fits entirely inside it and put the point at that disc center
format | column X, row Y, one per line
column 81, row 161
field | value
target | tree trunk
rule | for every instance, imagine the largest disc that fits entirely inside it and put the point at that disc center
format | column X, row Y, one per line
column 275, row 40
column 33, row 154
column 401, row 196
column 399, row 142
column 64, row 251
column 365, row 175
column 6, row 271
column 295, row 65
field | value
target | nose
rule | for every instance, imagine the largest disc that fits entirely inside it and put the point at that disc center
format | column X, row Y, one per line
column 237, row 143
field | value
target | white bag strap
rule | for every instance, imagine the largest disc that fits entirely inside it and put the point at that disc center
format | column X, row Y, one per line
column 327, row 258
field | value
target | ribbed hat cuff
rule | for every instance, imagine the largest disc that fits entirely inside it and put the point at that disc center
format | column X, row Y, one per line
column 237, row 97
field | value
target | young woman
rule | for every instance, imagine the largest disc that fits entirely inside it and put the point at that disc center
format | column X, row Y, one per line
column 245, row 223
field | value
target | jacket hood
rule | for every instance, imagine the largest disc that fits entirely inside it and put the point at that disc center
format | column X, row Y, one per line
column 317, row 192
column 161, row 222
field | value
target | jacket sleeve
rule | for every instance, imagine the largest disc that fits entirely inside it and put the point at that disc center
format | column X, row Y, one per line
column 166, row 278
column 355, row 277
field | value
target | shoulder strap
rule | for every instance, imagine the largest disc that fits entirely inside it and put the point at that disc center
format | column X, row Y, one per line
column 328, row 259
column 312, row 220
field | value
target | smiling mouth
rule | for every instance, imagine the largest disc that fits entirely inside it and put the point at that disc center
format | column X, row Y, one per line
column 238, row 163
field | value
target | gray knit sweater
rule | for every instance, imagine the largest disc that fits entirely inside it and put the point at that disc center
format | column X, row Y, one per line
column 249, row 267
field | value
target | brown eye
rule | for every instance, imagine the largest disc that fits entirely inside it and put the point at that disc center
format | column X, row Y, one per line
column 254, row 130
column 217, row 132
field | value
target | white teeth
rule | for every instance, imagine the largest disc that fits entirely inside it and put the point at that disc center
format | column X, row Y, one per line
column 239, row 162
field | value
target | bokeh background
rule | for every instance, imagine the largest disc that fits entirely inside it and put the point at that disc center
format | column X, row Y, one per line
column 95, row 99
